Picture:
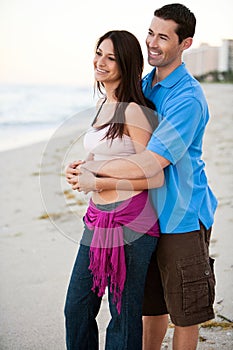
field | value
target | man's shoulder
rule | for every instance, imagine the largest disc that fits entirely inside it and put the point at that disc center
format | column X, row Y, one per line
column 184, row 85
column 149, row 76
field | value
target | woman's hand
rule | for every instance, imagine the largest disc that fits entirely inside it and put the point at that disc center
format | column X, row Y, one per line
column 71, row 171
column 86, row 181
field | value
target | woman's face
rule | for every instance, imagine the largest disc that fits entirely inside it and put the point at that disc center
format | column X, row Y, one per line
column 106, row 69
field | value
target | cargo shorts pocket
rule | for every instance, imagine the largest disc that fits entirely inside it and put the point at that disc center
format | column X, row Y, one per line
column 198, row 283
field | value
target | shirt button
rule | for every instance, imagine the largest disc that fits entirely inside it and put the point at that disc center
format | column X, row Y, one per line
column 207, row 272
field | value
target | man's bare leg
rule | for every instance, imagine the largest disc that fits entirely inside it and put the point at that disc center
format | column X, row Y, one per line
column 154, row 330
column 185, row 338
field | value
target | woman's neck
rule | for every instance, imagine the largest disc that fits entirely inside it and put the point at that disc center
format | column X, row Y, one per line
column 110, row 93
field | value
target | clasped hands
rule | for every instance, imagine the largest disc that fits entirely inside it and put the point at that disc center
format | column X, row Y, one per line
column 80, row 178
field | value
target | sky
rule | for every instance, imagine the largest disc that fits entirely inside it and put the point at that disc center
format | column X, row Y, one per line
column 52, row 41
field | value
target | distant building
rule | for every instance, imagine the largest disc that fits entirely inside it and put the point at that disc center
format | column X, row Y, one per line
column 226, row 56
column 206, row 58
column 202, row 60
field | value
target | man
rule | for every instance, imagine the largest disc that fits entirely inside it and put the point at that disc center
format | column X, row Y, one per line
column 185, row 204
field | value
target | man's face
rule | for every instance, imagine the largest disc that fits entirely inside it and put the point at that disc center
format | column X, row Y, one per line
column 164, row 50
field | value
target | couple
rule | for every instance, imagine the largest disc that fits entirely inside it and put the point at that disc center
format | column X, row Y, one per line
column 130, row 158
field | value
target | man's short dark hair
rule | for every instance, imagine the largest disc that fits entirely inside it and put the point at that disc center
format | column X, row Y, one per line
column 182, row 16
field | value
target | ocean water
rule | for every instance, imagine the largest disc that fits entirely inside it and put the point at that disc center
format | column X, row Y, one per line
column 32, row 113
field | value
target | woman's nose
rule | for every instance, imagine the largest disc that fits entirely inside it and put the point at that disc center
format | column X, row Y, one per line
column 102, row 61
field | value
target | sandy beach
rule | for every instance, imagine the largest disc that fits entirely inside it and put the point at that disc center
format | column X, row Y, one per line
column 41, row 224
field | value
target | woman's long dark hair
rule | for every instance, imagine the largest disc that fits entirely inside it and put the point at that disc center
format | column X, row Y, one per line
column 130, row 63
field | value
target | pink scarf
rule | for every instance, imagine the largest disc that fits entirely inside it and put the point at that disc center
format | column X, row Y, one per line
column 107, row 256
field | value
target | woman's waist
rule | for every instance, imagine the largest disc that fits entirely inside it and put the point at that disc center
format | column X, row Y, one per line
column 112, row 196
column 135, row 212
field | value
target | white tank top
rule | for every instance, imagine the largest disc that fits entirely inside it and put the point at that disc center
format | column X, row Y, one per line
column 106, row 149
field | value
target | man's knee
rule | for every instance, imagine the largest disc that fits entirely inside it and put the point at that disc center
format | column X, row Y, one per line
column 185, row 338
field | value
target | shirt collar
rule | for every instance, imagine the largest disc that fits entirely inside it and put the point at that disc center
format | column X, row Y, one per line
column 171, row 79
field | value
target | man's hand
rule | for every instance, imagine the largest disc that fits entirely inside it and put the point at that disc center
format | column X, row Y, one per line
column 79, row 178
column 71, row 172
column 86, row 181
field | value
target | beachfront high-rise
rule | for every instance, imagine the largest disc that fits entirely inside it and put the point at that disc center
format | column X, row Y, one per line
column 205, row 59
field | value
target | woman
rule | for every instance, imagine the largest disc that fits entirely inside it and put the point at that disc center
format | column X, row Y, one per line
column 121, row 227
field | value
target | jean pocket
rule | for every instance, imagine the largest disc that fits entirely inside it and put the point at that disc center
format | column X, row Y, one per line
column 198, row 284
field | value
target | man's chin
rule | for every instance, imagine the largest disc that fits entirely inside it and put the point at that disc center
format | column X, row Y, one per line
column 152, row 62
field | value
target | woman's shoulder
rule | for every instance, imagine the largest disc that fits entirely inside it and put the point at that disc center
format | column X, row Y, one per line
column 132, row 107
column 135, row 115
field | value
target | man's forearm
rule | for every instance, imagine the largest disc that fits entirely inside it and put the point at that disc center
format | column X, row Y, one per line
column 110, row 183
column 137, row 166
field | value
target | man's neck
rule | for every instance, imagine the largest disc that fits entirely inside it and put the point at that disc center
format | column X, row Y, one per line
column 163, row 72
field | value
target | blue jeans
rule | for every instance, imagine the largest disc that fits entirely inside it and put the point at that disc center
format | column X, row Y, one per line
column 82, row 305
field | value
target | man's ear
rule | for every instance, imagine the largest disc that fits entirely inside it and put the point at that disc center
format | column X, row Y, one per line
column 187, row 43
